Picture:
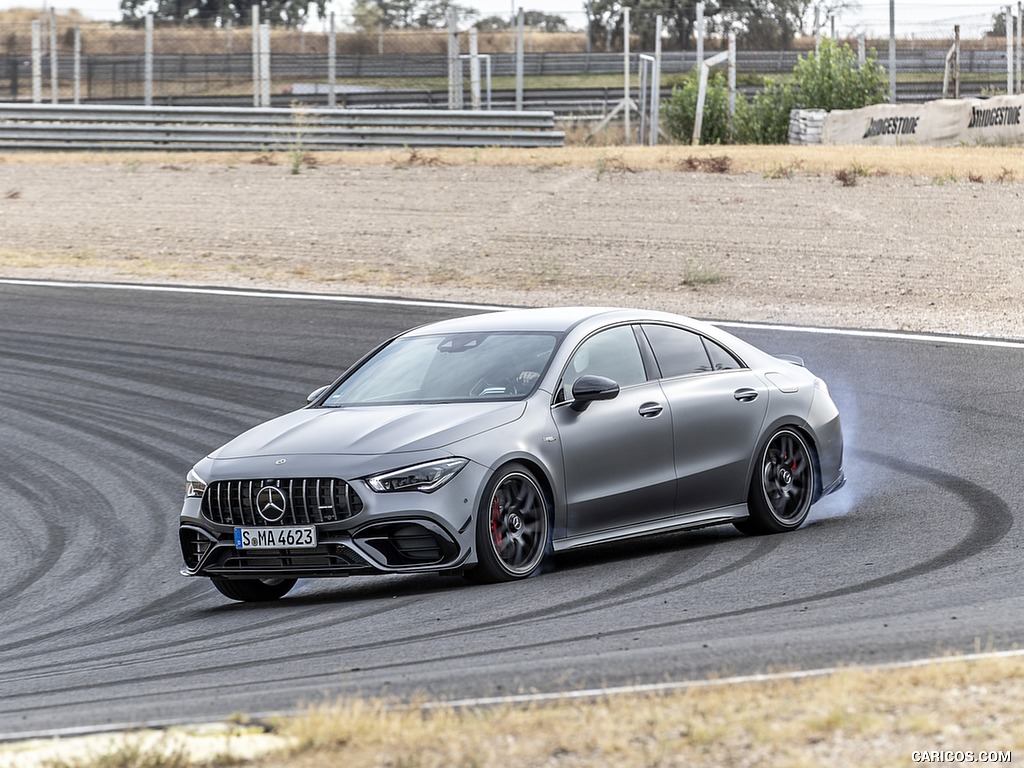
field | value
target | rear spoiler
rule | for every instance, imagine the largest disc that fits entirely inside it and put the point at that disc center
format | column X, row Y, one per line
column 792, row 359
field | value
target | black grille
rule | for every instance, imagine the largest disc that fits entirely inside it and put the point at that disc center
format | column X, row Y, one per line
column 308, row 501
column 327, row 559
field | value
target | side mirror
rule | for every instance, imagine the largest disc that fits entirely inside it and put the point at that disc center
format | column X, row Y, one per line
column 589, row 388
column 315, row 394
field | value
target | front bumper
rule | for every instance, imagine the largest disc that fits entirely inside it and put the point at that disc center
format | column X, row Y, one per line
column 401, row 532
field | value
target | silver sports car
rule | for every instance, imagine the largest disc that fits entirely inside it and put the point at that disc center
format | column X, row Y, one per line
column 481, row 445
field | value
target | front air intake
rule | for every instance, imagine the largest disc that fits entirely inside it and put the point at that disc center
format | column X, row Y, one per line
column 194, row 546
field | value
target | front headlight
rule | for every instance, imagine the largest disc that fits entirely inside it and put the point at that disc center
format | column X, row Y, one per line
column 421, row 477
column 195, row 486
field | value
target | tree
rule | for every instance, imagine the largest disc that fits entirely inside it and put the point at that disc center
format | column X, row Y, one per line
column 290, row 13
column 369, row 15
column 998, row 25
column 542, row 22
column 756, row 22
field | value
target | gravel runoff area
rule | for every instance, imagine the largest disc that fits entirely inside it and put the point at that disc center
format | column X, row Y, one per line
column 934, row 253
column 786, row 237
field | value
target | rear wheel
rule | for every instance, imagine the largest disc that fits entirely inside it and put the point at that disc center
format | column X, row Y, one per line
column 512, row 526
column 253, row 590
column 782, row 487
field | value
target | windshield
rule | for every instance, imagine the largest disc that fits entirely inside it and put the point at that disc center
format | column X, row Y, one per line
column 462, row 367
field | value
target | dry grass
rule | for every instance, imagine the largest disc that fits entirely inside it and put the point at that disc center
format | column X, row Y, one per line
column 109, row 38
column 874, row 717
column 852, row 718
column 998, row 164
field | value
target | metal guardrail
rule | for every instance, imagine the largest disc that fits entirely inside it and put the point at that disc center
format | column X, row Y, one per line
column 395, row 66
column 563, row 102
column 107, row 127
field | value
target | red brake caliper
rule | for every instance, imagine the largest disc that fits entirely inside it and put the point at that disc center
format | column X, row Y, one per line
column 495, row 516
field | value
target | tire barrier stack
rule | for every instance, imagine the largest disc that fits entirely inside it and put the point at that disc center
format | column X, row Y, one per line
column 805, row 126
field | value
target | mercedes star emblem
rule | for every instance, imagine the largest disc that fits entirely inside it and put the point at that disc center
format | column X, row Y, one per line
column 270, row 503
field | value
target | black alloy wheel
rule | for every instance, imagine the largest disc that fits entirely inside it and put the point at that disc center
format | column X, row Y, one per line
column 782, row 487
column 513, row 526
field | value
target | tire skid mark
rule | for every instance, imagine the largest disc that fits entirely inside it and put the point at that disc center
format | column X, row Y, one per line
column 87, row 495
column 56, row 537
column 86, row 526
column 126, row 433
column 118, row 660
column 125, row 438
column 113, row 386
column 992, row 520
column 669, row 566
column 120, row 360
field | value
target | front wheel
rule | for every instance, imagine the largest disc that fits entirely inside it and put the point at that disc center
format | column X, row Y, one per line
column 512, row 526
column 253, row 590
column 782, row 487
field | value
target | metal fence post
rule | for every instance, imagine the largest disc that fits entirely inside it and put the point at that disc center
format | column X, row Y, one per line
column 255, row 55
column 1009, row 50
column 644, row 63
column 892, row 51
column 474, row 69
column 817, row 30
column 731, row 66
column 332, row 64
column 77, row 62
column 37, row 63
column 656, row 81
column 54, row 80
column 700, row 37
column 454, row 63
column 148, row 99
column 1020, row 44
column 625, row 86
column 956, row 62
column 519, row 58
column 265, row 64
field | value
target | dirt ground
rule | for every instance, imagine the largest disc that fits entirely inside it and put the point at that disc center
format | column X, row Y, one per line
column 789, row 243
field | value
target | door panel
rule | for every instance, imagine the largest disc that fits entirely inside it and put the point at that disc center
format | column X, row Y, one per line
column 716, row 420
column 618, row 459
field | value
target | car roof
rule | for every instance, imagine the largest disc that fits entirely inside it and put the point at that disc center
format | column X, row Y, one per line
column 551, row 319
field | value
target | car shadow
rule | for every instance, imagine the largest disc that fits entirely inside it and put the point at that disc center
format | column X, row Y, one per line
column 360, row 589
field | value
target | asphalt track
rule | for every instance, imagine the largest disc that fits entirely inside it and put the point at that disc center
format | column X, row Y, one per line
column 108, row 396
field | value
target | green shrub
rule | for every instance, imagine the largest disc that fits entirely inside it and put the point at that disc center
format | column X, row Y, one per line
column 765, row 120
column 829, row 79
column 833, row 79
column 680, row 110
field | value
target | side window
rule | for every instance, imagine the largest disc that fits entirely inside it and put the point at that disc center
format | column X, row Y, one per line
column 721, row 358
column 613, row 353
column 679, row 352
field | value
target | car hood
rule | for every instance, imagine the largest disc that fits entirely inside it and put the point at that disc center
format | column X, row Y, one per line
column 370, row 430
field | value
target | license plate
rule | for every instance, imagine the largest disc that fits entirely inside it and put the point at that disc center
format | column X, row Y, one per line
column 295, row 537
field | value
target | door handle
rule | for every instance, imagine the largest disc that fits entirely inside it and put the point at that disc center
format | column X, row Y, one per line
column 745, row 395
column 650, row 410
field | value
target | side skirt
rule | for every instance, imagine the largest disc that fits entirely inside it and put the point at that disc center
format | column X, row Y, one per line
column 683, row 523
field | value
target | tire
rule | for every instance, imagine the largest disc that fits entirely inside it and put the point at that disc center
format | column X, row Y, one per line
column 253, row 590
column 513, row 527
column 782, row 487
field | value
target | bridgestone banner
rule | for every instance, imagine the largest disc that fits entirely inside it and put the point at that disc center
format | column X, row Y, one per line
column 944, row 123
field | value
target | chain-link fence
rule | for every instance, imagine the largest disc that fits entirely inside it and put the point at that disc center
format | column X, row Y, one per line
column 107, row 62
